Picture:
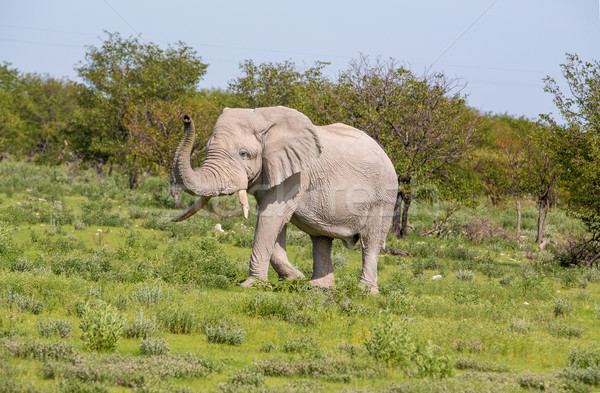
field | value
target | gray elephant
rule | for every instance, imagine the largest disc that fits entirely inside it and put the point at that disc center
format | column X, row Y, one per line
column 332, row 182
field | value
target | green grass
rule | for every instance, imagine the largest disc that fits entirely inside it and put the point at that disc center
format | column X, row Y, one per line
column 503, row 317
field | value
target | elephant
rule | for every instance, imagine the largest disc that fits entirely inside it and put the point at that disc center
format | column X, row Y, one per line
column 332, row 182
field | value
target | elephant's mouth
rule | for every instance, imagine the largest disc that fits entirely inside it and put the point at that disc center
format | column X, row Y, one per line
column 202, row 201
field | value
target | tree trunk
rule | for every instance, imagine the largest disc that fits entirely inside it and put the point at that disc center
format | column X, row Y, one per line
column 175, row 190
column 407, row 200
column 134, row 179
column 546, row 208
column 543, row 211
column 518, row 206
column 396, row 221
column 100, row 167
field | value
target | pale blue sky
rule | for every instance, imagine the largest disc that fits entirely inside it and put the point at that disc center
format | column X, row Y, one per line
column 502, row 57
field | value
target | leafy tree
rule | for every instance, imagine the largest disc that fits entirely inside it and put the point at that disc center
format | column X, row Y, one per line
column 272, row 84
column 11, row 125
column 35, row 114
column 577, row 141
column 125, row 72
column 541, row 172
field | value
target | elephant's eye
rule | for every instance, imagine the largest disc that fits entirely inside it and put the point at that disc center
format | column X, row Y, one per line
column 244, row 154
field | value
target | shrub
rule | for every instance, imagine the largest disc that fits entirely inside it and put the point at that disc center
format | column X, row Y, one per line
column 41, row 350
column 339, row 259
column 246, row 376
column 75, row 386
column 269, row 305
column 558, row 329
column 562, row 306
column 153, row 346
column 50, row 327
column 584, row 357
column 390, row 341
column 465, row 275
column 177, row 321
column 224, row 333
column 468, row 345
column 432, row 362
column 141, row 327
column 300, row 344
column 399, row 303
column 464, row 363
column 518, row 325
column 102, row 328
column 23, row 302
column 533, row 381
column 506, row 280
column 147, row 294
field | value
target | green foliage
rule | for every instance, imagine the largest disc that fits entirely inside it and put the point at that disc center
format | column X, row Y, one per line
column 431, row 362
column 224, row 333
column 577, row 143
column 246, row 376
column 153, row 346
column 101, row 328
column 177, row 320
column 390, row 341
column 562, row 306
column 51, row 327
column 141, row 327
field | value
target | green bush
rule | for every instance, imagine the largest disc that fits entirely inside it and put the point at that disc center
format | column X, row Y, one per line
column 300, row 344
column 432, row 362
column 101, row 327
column 269, row 305
column 246, row 376
column 153, row 346
column 224, row 333
column 390, row 341
column 23, row 302
column 141, row 327
column 562, row 306
column 51, row 327
column 465, row 275
column 177, row 320
column 584, row 357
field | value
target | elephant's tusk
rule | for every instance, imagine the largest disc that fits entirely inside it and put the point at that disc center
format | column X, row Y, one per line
column 197, row 206
column 243, row 195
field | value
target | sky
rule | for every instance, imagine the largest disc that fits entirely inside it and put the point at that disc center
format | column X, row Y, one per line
column 501, row 49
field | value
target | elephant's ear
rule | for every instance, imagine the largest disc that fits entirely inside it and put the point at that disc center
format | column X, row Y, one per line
column 290, row 145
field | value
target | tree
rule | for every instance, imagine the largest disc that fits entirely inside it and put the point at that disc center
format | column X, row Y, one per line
column 125, row 72
column 577, row 141
column 541, row 171
column 422, row 122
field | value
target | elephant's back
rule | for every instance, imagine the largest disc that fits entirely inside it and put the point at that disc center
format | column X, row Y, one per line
column 357, row 151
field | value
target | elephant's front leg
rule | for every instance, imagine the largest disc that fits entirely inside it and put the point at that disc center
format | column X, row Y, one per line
column 271, row 221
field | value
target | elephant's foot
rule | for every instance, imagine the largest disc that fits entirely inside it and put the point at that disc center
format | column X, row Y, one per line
column 291, row 274
column 369, row 288
column 323, row 282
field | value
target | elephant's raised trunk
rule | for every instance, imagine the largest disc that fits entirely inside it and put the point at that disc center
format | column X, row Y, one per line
column 202, row 182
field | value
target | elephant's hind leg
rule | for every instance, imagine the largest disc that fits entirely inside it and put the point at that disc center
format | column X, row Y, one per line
column 279, row 260
column 322, row 266
column 372, row 241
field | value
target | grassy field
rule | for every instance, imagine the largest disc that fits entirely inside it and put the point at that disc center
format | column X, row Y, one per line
column 99, row 292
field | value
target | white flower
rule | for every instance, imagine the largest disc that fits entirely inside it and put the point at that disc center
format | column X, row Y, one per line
column 437, row 277
column 99, row 230
column 218, row 228
column 525, row 303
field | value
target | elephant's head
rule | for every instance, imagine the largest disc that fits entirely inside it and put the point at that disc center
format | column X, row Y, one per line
column 247, row 147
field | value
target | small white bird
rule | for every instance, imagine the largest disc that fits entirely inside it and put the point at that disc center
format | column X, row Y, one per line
column 218, row 228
